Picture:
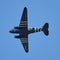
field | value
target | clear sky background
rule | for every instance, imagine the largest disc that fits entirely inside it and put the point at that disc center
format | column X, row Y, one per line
column 41, row 47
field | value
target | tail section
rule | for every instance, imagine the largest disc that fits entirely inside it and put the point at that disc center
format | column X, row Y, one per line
column 45, row 29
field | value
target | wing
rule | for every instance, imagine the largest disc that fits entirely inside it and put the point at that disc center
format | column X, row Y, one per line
column 23, row 22
column 24, row 42
column 24, row 30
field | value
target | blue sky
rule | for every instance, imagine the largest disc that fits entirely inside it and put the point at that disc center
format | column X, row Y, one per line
column 40, row 46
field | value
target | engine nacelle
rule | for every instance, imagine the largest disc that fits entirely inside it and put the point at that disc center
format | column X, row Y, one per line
column 17, row 37
column 33, row 28
column 17, row 27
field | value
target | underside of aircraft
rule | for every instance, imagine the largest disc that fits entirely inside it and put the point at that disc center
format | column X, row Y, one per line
column 24, row 31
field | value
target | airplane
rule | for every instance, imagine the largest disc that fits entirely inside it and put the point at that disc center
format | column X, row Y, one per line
column 24, row 31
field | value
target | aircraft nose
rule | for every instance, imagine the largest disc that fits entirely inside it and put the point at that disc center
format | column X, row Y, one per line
column 10, row 31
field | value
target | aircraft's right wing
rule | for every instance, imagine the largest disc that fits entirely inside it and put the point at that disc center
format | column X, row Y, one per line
column 24, row 42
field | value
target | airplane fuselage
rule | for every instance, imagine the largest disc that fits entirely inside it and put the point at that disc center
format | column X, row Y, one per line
column 21, row 30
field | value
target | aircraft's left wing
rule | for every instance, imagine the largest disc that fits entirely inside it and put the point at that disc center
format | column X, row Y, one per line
column 24, row 42
column 23, row 22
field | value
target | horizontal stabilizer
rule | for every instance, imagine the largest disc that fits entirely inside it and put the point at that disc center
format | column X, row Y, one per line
column 45, row 29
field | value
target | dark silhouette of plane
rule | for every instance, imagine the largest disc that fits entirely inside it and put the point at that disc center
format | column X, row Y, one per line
column 23, row 30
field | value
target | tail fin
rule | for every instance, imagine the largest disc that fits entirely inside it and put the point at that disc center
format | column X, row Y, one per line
column 45, row 29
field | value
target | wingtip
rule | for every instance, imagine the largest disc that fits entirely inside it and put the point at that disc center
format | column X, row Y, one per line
column 25, row 7
column 27, row 51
